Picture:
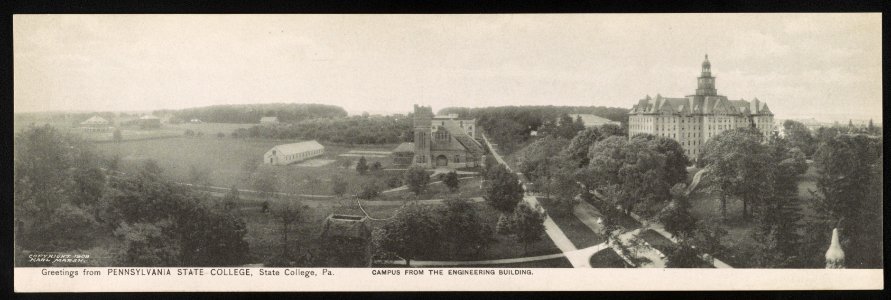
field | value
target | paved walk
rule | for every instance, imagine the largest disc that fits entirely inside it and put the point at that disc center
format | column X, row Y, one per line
column 405, row 187
column 556, row 234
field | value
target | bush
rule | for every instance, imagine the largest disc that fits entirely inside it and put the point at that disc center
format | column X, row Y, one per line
column 370, row 190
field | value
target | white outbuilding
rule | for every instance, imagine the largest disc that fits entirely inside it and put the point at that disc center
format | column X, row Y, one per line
column 290, row 153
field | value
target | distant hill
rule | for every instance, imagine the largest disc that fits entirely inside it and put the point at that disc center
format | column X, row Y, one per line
column 251, row 113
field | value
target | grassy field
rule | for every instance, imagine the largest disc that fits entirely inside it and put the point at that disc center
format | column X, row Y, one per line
column 224, row 159
column 210, row 128
column 467, row 188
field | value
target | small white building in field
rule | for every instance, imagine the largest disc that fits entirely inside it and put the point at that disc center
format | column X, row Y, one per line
column 290, row 153
column 269, row 120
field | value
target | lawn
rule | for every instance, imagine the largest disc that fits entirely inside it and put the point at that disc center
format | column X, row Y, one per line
column 467, row 188
column 578, row 233
column 607, row 258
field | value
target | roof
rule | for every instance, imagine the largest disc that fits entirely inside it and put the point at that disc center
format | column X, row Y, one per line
column 465, row 140
column 298, row 147
column 95, row 120
column 699, row 104
column 268, row 119
column 592, row 120
column 349, row 226
column 405, row 147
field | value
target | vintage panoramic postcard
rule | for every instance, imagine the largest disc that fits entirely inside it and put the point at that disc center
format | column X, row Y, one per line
column 448, row 152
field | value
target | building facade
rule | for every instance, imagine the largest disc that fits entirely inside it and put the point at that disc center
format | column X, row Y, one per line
column 444, row 141
column 694, row 119
column 290, row 153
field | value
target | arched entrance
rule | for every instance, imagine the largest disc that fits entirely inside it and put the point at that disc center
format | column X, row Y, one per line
column 442, row 161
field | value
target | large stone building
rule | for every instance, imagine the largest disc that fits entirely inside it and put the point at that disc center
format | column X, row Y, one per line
column 694, row 119
column 444, row 141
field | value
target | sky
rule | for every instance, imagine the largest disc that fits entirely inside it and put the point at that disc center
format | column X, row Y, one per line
column 802, row 65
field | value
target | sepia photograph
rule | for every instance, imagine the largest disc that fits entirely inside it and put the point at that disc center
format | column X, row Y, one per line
column 482, row 146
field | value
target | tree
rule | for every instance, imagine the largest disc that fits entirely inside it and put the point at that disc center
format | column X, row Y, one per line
column 116, row 135
column 683, row 256
column 286, row 214
column 605, row 158
column 345, row 163
column 503, row 189
column 528, row 225
column 505, row 225
column 362, row 166
column 199, row 176
column 608, row 130
column 147, row 245
column 416, row 178
column 565, row 187
column 369, row 190
column 800, row 136
column 739, row 165
column 577, row 150
column 643, row 178
column 676, row 216
column 231, row 199
column 265, row 183
column 87, row 186
column 537, row 160
column 338, row 185
column 849, row 196
column 412, row 233
column 221, row 135
column 451, row 181
column 376, row 166
column 462, row 228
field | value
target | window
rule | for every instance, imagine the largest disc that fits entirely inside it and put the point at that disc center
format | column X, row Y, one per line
column 457, row 158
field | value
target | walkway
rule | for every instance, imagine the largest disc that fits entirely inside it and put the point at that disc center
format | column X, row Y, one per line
column 556, row 234
column 405, row 187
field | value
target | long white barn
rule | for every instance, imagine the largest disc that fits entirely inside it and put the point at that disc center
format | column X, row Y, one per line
column 290, row 153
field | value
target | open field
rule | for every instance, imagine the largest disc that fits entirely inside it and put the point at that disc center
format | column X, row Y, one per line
column 210, row 128
column 225, row 159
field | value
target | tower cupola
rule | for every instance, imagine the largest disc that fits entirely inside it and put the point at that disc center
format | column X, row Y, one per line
column 706, row 86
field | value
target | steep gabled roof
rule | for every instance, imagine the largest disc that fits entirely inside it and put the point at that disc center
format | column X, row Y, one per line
column 465, row 140
column 405, row 147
